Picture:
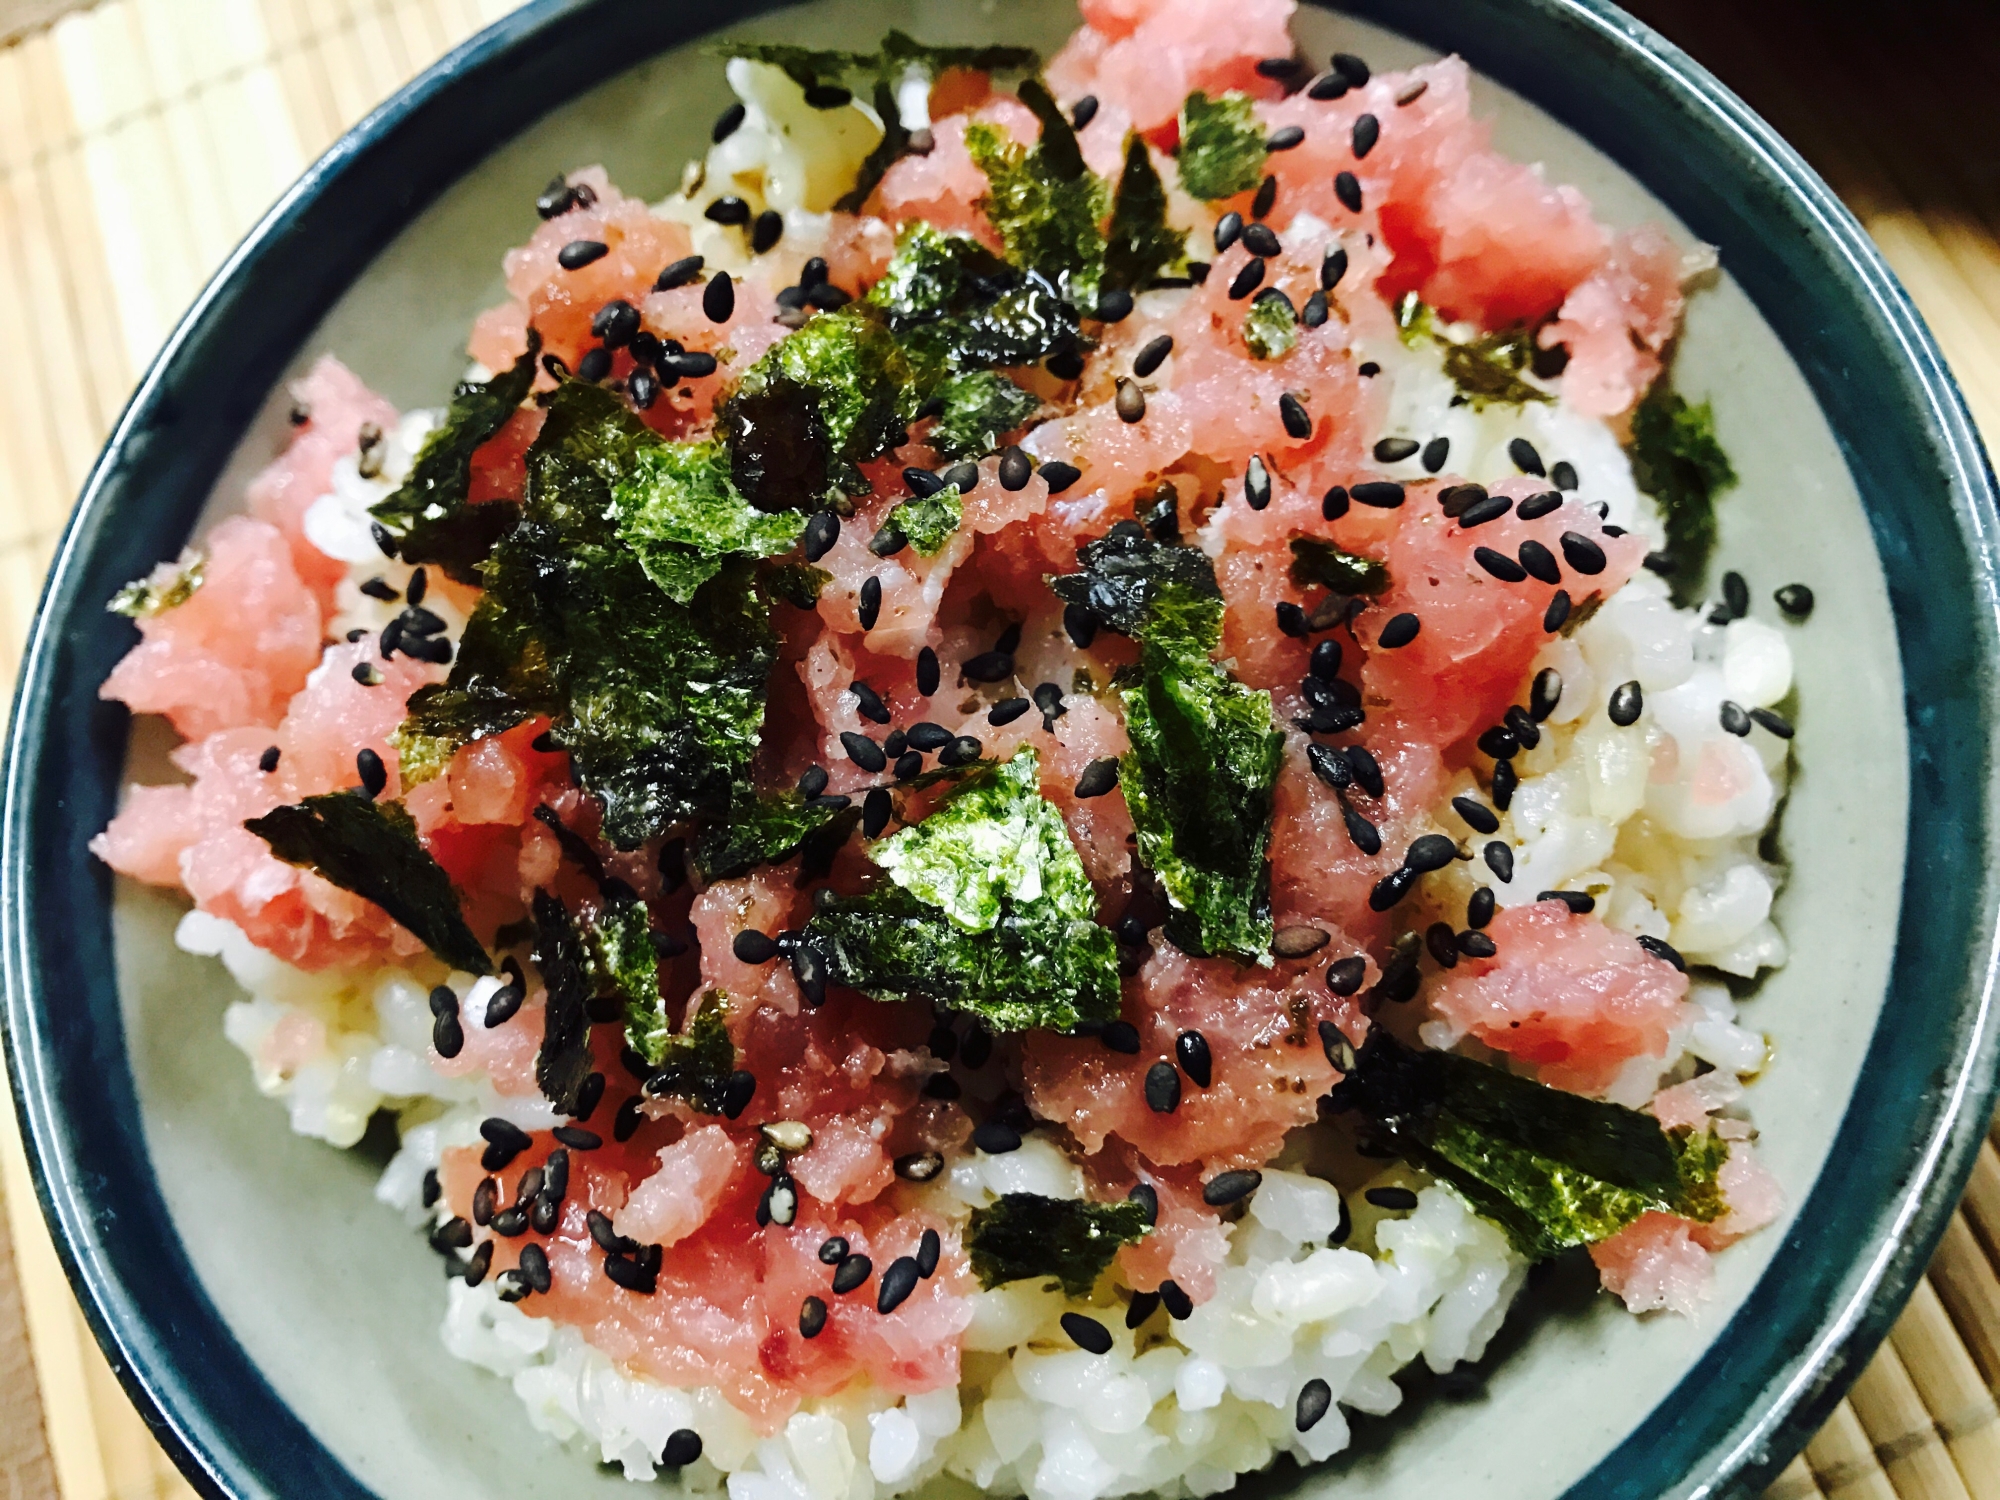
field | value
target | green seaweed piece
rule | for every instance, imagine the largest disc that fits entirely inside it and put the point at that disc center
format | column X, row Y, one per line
column 371, row 849
column 1486, row 369
column 1043, row 201
column 1222, row 150
column 1271, row 326
column 927, row 522
column 679, row 511
column 1024, row 1236
column 934, row 274
column 956, row 306
column 168, row 586
column 1677, row 460
column 987, row 910
column 563, row 1061
column 1554, row 1169
column 1204, row 757
column 807, row 66
column 618, row 947
column 659, row 703
column 1317, row 561
column 695, row 1064
column 768, row 829
column 979, row 408
column 429, row 514
column 1139, row 244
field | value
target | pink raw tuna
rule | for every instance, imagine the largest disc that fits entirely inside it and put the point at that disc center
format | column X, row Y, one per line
column 336, row 406
column 193, row 835
column 943, row 187
column 1565, row 992
column 1143, row 57
column 726, row 1312
column 693, row 1175
column 1617, row 324
column 1262, row 1031
column 1654, row 1263
column 237, row 650
column 1187, row 1243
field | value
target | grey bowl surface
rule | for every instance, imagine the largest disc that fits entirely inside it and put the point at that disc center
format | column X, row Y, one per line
column 280, row 1326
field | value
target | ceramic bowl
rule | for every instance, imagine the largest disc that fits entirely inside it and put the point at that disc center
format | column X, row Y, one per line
column 278, row 1327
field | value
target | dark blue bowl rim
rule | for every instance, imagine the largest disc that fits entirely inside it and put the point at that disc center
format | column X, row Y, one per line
column 1767, row 1380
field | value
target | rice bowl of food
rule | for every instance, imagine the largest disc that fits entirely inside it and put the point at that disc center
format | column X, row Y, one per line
column 1086, row 762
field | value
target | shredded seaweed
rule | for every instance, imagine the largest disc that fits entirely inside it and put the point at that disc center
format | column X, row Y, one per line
column 1554, row 1169
column 695, row 1064
column 563, row 1061
column 1140, row 245
column 927, row 522
column 1024, row 1236
column 987, row 910
column 977, row 410
column 371, row 849
column 430, row 515
column 168, row 586
column 1271, row 326
column 811, row 66
column 618, row 947
column 1045, row 204
column 1204, row 754
column 679, row 511
column 1317, row 561
column 767, row 830
column 1486, row 369
column 1677, row 460
column 1222, row 150
column 956, row 306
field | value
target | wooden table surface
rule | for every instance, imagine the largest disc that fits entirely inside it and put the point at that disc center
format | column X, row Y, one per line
column 140, row 138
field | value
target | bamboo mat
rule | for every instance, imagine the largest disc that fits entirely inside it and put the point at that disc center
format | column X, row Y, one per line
column 139, row 140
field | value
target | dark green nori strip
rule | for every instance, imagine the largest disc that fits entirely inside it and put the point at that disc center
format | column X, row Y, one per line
column 1024, row 1235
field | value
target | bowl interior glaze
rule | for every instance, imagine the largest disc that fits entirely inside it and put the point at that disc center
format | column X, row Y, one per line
column 284, row 1325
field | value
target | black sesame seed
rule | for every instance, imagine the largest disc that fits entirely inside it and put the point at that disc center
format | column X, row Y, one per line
column 767, row 231
column 1149, row 358
column 1065, row 364
column 1393, row 450
column 1479, row 512
column 1087, row 1334
column 1364, row 834
column 535, row 1266
column 1084, row 112
column 1344, row 975
column 579, row 253
column 1536, row 506
column 1292, row 412
column 1225, row 1188
column 1247, row 280
column 1347, row 188
column 1299, row 941
column 1015, row 470
column 1627, row 703
column 1328, row 86
column 614, row 323
column 1735, row 594
column 1796, row 600
column 1260, row 239
column 929, row 1248
column 1478, row 912
column 1523, row 727
column 1121, row 1037
column 1436, row 451
column 1505, row 779
column 1777, row 723
column 625, row 1124
column 1500, row 565
column 696, row 364
column 1350, row 67
column 1395, row 1199
column 821, row 532
column 1391, row 888
column 555, row 200
column 1499, row 856
column 1578, row 902
column 738, row 1092
column 718, row 298
column 1191, row 1050
column 1256, row 484
column 453, row 1234
column 1442, row 943
column 869, row 605
column 1383, row 494
column 875, row 810
column 1476, row 814
column 1314, row 312
column 727, row 122
column 869, row 702
column 1179, row 1305
column 1142, row 1307
column 1330, row 766
column 1525, row 458
column 1557, row 614
column 927, row 682
column 996, row 1138
column 1267, row 196
column 1367, row 131
column 812, row 1317
column 1582, row 553
column 1478, row 944
column 897, row 1283
column 1006, row 711
column 1059, row 476
column 863, row 751
column 1432, row 851
column 268, row 761
column 678, row 273
column 578, row 1139
column 1399, row 632
column 366, row 674
column 919, row 1166
column 1099, row 777
column 1228, row 229
column 1499, row 742
column 728, row 209
column 753, row 947
column 1733, row 718
column 683, row 1448
column 1130, row 402
column 1163, row 1088
column 1538, row 562
column 1287, row 139
column 1333, row 504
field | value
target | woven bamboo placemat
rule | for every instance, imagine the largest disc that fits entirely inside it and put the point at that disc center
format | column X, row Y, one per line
column 140, row 138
